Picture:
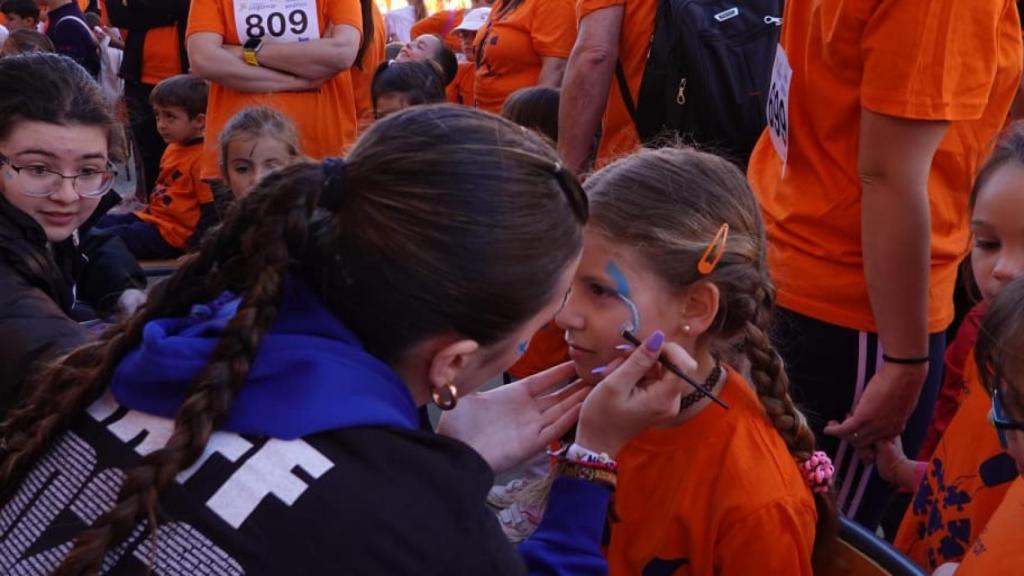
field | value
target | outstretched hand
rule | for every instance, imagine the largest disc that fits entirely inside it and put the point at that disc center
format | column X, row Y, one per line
column 514, row 422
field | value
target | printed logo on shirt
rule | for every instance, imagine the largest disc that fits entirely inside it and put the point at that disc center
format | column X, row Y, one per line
column 277, row 21
column 941, row 506
column 66, row 491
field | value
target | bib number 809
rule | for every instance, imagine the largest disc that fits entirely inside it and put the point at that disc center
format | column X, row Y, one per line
column 276, row 24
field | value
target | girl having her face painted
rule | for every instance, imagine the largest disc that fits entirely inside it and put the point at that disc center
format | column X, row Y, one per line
column 675, row 244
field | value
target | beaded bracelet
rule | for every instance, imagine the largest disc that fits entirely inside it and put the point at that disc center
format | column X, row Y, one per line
column 588, row 473
column 580, row 455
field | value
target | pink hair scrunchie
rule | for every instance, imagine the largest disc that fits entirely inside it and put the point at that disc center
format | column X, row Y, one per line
column 818, row 471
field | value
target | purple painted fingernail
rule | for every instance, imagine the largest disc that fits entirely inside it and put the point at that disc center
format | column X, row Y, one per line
column 625, row 348
column 654, row 341
column 599, row 371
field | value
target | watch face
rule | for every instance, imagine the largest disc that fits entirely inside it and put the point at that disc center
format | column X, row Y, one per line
column 252, row 43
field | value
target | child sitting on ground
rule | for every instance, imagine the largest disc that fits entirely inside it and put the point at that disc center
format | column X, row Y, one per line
column 399, row 85
column 254, row 143
column 181, row 203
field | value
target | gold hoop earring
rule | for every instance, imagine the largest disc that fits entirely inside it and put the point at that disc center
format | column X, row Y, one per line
column 450, row 402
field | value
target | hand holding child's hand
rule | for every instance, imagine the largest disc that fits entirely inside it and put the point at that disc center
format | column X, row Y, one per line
column 888, row 458
column 516, row 421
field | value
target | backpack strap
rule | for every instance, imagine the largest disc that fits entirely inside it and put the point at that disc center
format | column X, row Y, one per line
column 83, row 24
column 627, row 98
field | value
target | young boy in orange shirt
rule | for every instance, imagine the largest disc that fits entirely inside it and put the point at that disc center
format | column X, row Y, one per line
column 181, row 201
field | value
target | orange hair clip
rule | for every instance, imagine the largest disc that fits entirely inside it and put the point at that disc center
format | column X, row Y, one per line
column 709, row 260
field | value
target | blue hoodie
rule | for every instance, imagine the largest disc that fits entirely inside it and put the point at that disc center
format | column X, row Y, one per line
column 312, row 375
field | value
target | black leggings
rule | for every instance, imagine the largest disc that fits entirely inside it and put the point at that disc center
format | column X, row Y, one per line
column 828, row 368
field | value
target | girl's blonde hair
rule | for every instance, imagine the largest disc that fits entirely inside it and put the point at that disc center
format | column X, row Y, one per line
column 671, row 206
column 258, row 122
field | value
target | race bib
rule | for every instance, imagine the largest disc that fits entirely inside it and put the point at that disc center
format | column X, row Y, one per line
column 778, row 104
column 277, row 21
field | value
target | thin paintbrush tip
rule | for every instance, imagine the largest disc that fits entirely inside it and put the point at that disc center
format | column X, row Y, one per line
column 632, row 339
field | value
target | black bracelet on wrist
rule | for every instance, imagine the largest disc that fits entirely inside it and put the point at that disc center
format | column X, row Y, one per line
column 906, row 361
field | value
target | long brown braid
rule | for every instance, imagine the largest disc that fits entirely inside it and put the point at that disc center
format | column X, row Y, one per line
column 668, row 205
column 397, row 209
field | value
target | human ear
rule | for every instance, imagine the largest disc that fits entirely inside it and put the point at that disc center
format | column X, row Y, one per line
column 700, row 308
column 448, row 363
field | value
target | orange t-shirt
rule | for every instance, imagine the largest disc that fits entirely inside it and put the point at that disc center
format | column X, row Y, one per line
column 362, row 76
column 325, row 119
column 547, row 348
column 937, row 60
column 161, row 58
column 178, row 194
column 460, row 91
column 441, row 23
column 619, row 136
column 720, row 494
column 1000, row 547
column 509, row 47
column 966, row 479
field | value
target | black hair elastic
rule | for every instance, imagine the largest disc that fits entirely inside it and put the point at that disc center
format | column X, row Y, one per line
column 906, row 361
column 333, row 188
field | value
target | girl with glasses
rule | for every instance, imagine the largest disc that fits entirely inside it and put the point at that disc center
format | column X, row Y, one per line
column 55, row 135
column 959, row 483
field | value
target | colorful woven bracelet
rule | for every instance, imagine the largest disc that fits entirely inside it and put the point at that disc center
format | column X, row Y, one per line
column 590, row 474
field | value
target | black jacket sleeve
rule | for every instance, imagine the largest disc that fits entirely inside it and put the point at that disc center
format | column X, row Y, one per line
column 110, row 269
column 33, row 329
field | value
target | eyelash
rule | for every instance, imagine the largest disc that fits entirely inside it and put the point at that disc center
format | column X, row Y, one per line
column 600, row 291
column 986, row 245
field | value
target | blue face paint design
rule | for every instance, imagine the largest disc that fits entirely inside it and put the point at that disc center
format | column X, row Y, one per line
column 623, row 293
column 522, row 346
column 621, row 285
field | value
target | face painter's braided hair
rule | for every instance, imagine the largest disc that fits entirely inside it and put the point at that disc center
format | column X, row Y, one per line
column 408, row 248
column 669, row 205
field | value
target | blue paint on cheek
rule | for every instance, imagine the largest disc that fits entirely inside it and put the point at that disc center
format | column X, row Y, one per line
column 623, row 293
column 522, row 346
column 621, row 285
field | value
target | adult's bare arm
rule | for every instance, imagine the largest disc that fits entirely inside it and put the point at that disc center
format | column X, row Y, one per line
column 588, row 77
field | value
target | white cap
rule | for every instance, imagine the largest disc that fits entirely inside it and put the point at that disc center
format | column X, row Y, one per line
column 474, row 20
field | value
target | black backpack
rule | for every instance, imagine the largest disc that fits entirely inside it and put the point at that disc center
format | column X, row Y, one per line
column 707, row 74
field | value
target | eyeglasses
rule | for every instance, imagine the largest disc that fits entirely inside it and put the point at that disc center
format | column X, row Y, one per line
column 1000, row 420
column 40, row 182
column 998, row 416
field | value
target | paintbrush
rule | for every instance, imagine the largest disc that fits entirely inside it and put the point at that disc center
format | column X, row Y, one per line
column 632, row 339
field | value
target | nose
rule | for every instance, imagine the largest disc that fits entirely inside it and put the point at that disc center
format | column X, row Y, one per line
column 65, row 192
column 570, row 317
column 1009, row 267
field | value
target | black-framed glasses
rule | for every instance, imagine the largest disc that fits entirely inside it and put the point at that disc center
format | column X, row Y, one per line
column 39, row 182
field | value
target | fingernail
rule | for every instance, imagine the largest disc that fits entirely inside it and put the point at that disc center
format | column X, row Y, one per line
column 600, row 370
column 654, row 341
column 625, row 348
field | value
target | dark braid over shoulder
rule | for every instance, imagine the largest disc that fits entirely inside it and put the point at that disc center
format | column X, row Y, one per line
column 409, row 213
column 210, row 396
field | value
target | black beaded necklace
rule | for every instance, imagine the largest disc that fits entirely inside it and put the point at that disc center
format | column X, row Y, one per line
column 707, row 386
